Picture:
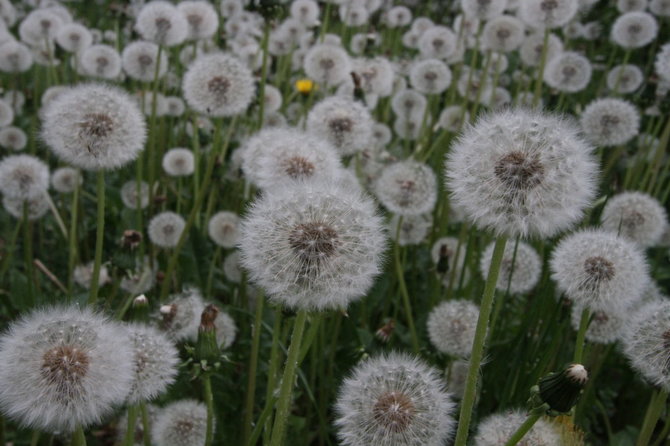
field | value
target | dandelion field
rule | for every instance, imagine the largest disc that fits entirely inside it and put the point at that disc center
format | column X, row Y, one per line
column 342, row 222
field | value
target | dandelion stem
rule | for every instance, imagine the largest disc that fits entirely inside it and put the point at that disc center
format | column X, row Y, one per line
column 146, row 426
column 468, row 401
column 129, row 439
column 540, row 75
column 253, row 364
column 78, row 437
column 403, row 290
column 524, row 428
column 654, row 410
column 99, row 238
column 581, row 334
column 209, row 401
column 72, row 259
column 284, row 402
column 28, row 254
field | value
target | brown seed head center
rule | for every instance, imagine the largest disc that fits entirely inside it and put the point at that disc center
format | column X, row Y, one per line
column 313, row 241
column 64, row 364
column 599, row 269
column 394, row 411
column 194, row 20
column 519, row 171
column 97, row 125
column 549, row 5
column 298, row 167
column 145, row 60
column 327, row 64
column 218, row 86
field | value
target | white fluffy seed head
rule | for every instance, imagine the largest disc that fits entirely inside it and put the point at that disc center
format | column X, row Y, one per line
column 74, row 37
column 141, row 280
column 94, row 126
column 160, row 22
column 605, row 327
column 496, row 429
column 522, row 173
column 412, row 230
column 306, row 11
column 23, row 177
column 430, row 76
column 407, row 188
column 451, row 327
column 394, row 400
column 503, row 33
column 610, row 121
column 155, row 358
column 40, row 26
column 139, row 61
column 36, row 208
column 438, row 42
column 409, row 104
column 83, row 275
column 631, row 5
column 283, row 156
column 218, row 85
column 547, row 13
column 178, row 162
column 179, row 318
column 223, row 229
column 231, row 267
column 165, row 229
column 636, row 216
column 15, row 57
column 134, row 196
column 6, row 113
column 181, row 423
column 452, row 118
column 314, row 246
column 327, row 64
column 568, row 72
column 660, row 8
column 531, row 48
column 101, row 61
column 599, row 270
column 346, row 124
column 483, row 9
column 13, row 138
column 662, row 63
column 63, row 367
column 376, row 75
column 634, row 29
column 398, row 16
column 66, row 179
column 226, row 329
column 524, row 267
column 625, row 78
column 201, row 18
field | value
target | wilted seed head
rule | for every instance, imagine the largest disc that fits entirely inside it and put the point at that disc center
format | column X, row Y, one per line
column 600, row 270
column 610, row 121
column 62, row 368
column 636, row 216
column 393, row 400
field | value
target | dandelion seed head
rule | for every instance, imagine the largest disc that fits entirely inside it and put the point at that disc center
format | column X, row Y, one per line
column 413, row 228
column 451, row 327
column 525, row 267
column 483, row 9
column 407, row 188
column 634, row 29
column 165, row 229
column 547, row 13
column 83, row 275
column 503, row 33
column 610, row 121
column 625, row 78
column 344, row 123
column 327, row 64
column 181, row 423
column 178, row 162
column 101, row 61
column 36, row 208
column 23, row 176
column 139, row 61
column 438, row 42
column 223, row 229
column 408, row 104
column 15, row 57
column 179, row 318
column 636, row 216
column 74, row 37
column 568, row 72
column 430, row 76
column 531, row 48
column 162, row 23
column 496, row 429
column 13, row 138
column 201, row 18
column 226, row 329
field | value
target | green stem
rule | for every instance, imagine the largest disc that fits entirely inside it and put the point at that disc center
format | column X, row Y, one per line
column 253, row 364
column 129, row 439
column 99, row 238
column 72, row 259
column 209, row 400
column 468, row 401
column 146, row 425
column 28, row 254
column 654, row 410
column 284, row 402
column 403, row 291
column 581, row 335
column 540, row 75
column 78, row 437
column 523, row 429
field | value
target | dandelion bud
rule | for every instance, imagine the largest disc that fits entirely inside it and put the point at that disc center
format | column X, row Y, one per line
column 207, row 348
column 561, row 390
column 131, row 239
column 385, row 332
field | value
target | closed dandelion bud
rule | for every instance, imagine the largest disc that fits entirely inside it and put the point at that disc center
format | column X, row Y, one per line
column 326, row 64
column 547, row 13
column 160, row 22
column 207, row 349
column 610, row 121
column 561, row 390
column 218, row 85
column 521, row 271
column 140, row 308
column 165, row 229
column 94, row 126
column 407, row 188
column 568, row 72
column 346, row 124
column 634, row 29
column 636, row 216
column 180, row 317
column 13, row 138
column 451, row 327
column 496, row 429
column 394, row 400
column 182, row 423
column 63, row 367
column 503, row 176
column 599, row 269
column 315, row 246
column 155, row 358
column 23, row 177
